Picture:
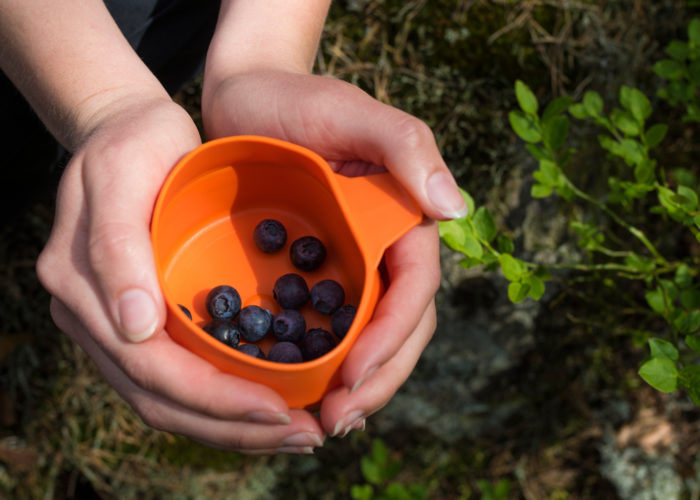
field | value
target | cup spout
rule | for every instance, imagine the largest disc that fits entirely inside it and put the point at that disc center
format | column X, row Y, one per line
column 379, row 210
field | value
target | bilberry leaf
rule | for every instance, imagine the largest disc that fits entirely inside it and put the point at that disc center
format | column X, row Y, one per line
column 526, row 99
column 556, row 107
column 592, row 103
column 661, row 374
column 484, row 224
column 661, row 348
column 655, row 134
column 525, row 126
column 669, row 69
column 517, row 291
column 555, row 131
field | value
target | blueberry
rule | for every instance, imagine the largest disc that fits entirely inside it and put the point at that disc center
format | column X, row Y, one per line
column 270, row 235
column 307, row 253
column 223, row 302
column 289, row 325
column 224, row 330
column 342, row 319
column 285, row 352
column 315, row 343
column 327, row 296
column 255, row 322
column 251, row 350
column 291, row 291
column 186, row 311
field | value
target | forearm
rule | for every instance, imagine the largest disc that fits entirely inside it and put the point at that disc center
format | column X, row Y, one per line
column 71, row 62
column 274, row 34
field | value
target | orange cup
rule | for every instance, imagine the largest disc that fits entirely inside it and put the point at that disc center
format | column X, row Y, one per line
column 202, row 235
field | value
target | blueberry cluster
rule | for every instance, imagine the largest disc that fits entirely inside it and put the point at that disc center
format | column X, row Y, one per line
column 231, row 324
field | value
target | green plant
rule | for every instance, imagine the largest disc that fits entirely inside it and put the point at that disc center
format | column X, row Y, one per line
column 625, row 231
column 378, row 469
column 498, row 491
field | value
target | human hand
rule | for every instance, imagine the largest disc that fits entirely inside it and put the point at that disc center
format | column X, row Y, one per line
column 357, row 135
column 98, row 266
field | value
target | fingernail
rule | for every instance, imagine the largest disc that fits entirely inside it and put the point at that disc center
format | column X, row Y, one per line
column 267, row 417
column 302, row 440
column 357, row 425
column 363, row 378
column 138, row 316
column 445, row 196
column 345, row 424
column 296, row 450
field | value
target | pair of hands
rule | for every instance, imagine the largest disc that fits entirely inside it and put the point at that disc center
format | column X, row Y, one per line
column 98, row 263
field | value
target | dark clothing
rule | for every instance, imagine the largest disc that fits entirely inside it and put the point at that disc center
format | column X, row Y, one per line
column 170, row 36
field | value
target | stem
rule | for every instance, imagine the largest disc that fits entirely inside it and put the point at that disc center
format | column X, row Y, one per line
column 631, row 229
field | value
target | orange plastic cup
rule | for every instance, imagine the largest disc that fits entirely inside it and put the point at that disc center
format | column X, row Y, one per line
column 202, row 235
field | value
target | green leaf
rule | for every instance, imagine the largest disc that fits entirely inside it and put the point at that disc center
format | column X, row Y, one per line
column 555, row 131
column 694, row 30
column 661, row 348
column 635, row 102
column 661, row 374
column 518, row 291
column 683, row 276
column 549, row 172
column 632, row 151
column 669, row 69
column 540, row 191
column 537, row 287
column 644, row 172
column 453, row 234
column 625, row 122
column 472, row 247
column 513, row 269
column 655, row 134
column 371, row 471
column 556, row 107
column 578, row 110
column 592, row 103
column 687, row 322
column 690, row 298
column 469, row 201
column 539, row 152
column 526, row 99
column 361, row 492
column 693, row 342
column 688, row 198
column 655, row 299
column 484, row 224
column 689, row 377
column 504, row 244
column 525, row 126
column 677, row 49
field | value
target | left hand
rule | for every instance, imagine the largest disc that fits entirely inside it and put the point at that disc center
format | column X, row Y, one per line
column 356, row 134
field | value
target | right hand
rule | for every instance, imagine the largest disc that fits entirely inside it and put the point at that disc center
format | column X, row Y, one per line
column 98, row 266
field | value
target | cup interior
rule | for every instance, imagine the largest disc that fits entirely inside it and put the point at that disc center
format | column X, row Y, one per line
column 206, row 217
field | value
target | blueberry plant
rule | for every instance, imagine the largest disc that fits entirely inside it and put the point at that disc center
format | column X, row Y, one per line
column 620, row 238
column 379, row 471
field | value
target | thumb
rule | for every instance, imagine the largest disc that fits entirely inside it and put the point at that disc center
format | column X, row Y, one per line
column 119, row 206
column 404, row 145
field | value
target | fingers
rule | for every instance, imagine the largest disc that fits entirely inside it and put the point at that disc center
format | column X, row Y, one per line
column 122, row 175
column 344, row 410
column 161, row 367
column 403, row 144
column 413, row 266
column 236, row 414
column 341, row 123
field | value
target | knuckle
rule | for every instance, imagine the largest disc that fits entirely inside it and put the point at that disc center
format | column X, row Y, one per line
column 108, row 243
column 413, row 133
